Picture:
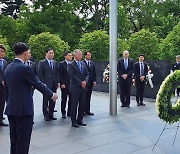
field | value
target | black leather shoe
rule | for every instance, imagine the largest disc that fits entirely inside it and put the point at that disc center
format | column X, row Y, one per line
column 142, row 104
column 64, row 116
column 3, row 124
column 75, row 125
column 55, row 110
column 52, row 118
column 81, row 124
column 128, row 106
column 138, row 104
column 89, row 113
column 123, row 105
column 46, row 118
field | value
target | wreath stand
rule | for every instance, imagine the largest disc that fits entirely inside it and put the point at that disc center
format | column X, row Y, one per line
column 165, row 127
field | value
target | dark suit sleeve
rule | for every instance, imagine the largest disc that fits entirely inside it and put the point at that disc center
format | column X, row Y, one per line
column 41, row 71
column 61, row 78
column 94, row 74
column 86, row 74
column 29, row 76
column 120, row 73
column 71, row 72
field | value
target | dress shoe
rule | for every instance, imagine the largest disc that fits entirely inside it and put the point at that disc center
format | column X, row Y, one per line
column 123, row 105
column 55, row 110
column 3, row 124
column 89, row 113
column 52, row 118
column 47, row 118
column 138, row 104
column 81, row 124
column 75, row 125
column 64, row 116
column 142, row 104
column 128, row 106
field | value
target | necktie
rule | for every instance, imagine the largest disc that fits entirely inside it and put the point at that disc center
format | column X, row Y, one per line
column 79, row 65
column 126, row 64
column 51, row 64
column 1, row 65
column 141, row 69
column 88, row 63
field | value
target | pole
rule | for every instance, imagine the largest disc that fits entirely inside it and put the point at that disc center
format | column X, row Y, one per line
column 113, row 57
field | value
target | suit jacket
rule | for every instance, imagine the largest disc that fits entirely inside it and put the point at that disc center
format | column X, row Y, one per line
column 137, row 70
column 76, row 76
column 5, row 63
column 48, row 75
column 122, row 70
column 33, row 67
column 19, row 80
column 175, row 66
column 92, row 73
column 63, row 74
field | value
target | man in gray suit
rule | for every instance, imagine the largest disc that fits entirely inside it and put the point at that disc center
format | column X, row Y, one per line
column 3, row 65
column 48, row 74
column 79, row 76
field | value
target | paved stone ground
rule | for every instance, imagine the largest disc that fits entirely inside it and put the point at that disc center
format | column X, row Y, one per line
column 133, row 131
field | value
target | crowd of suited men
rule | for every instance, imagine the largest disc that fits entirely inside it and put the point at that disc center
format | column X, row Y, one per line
column 74, row 76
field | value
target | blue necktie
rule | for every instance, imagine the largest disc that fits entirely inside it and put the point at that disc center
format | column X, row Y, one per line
column 79, row 65
column 51, row 64
column 125, row 64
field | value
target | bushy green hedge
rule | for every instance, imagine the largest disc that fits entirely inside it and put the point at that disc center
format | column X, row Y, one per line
column 9, row 53
column 144, row 42
column 98, row 43
column 39, row 43
column 170, row 46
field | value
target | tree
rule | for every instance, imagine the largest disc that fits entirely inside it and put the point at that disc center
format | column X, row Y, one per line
column 11, row 7
column 170, row 45
column 98, row 43
column 39, row 43
column 9, row 54
column 144, row 42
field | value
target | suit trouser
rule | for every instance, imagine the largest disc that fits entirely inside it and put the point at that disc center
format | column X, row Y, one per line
column 20, row 133
column 77, row 103
column 48, row 104
column 140, row 86
column 64, row 94
column 2, row 101
column 88, row 99
column 125, row 91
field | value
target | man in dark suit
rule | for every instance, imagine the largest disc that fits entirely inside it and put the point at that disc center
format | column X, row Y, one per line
column 3, row 65
column 64, row 84
column 176, row 66
column 125, row 70
column 140, row 72
column 33, row 66
column 19, row 80
column 91, row 82
column 79, row 76
column 49, row 75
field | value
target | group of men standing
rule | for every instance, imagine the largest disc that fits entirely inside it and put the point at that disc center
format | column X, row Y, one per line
column 76, row 79
column 127, row 71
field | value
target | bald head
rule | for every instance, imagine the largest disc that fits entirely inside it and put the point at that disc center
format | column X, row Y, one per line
column 126, row 54
column 77, row 54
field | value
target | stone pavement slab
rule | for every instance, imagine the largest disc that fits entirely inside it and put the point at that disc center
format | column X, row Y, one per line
column 133, row 131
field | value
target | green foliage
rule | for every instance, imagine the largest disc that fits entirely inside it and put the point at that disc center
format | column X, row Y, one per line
column 39, row 43
column 9, row 54
column 98, row 43
column 170, row 45
column 144, row 42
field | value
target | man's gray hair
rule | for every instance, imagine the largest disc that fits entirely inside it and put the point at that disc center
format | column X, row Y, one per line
column 75, row 51
column 178, row 56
